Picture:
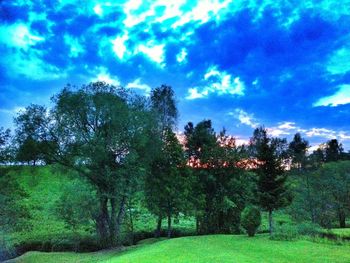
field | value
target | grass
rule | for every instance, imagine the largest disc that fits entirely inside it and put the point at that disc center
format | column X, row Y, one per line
column 341, row 232
column 215, row 248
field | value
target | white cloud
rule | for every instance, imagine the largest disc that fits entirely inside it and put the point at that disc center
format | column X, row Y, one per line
column 98, row 10
column 119, row 47
column 181, row 56
column 154, row 52
column 194, row 94
column 136, row 84
column 75, row 47
column 287, row 125
column 244, row 118
column 103, row 75
column 219, row 83
column 321, row 132
column 342, row 96
column 18, row 35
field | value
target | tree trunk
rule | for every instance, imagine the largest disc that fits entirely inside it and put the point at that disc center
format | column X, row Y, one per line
column 131, row 223
column 197, row 225
column 102, row 222
column 120, row 218
column 342, row 218
column 309, row 200
column 169, row 224
column 113, row 223
column 270, row 222
column 159, row 227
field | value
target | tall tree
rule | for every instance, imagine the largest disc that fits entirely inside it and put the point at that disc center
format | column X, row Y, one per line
column 297, row 151
column 31, row 135
column 106, row 139
column 332, row 182
column 168, row 183
column 5, row 148
column 163, row 105
column 271, row 154
column 334, row 151
column 221, row 189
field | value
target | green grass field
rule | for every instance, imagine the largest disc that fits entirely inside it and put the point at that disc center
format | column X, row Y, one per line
column 215, row 248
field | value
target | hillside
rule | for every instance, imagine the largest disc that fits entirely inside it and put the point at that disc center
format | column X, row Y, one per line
column 215, row 248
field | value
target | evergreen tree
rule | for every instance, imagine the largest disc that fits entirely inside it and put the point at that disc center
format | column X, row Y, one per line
column 271, row 184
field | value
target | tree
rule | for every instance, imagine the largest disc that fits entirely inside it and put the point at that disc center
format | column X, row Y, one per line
column 14, row 212
column 31, row 135
column 5, row 151
column 297, row 151
column 167, row 186
column 107, row 140
column 334, row 151
column 221, row 189
column 163, row 105
column 332, row 182
column 272, row 189
column 28, row 151
column 251, row 220
column 78, row 205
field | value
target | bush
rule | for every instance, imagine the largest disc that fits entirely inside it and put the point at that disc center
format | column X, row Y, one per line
column 309, row 229
column 285, row 232
column 251, row 220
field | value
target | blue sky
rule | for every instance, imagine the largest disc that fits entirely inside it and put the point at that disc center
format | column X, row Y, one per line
column 241, row 63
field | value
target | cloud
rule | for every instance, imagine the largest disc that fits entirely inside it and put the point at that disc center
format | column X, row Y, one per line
column 244, row 118
column 342, row 96
column 136, row 84
column 216, row 82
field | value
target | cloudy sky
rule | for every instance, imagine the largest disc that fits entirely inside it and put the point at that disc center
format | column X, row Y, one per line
column 241, row 63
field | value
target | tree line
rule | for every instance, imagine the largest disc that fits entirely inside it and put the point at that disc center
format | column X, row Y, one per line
column 122, row 143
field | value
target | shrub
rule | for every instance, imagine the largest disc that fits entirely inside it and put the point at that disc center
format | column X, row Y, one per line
column 285, row 232
column 251, row 220
column 309, row 229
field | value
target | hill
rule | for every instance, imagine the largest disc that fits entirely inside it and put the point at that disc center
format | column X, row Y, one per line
column 215, row 248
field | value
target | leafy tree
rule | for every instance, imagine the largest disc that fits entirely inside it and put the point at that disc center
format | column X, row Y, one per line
column 28, row 151
column 31, row 135
column 297, row 151
column 5, row 149
column 272, row 189
column 332, row 182
column 78, row 205
column 163, row 105
column 167, row 186
column 251, row 220
column 107, row 141
column 334, row 151
column 221, row 189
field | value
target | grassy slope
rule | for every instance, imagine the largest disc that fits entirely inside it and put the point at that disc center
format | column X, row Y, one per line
column 216, row 248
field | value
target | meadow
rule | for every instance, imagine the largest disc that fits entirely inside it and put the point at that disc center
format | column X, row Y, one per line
column 44, row 185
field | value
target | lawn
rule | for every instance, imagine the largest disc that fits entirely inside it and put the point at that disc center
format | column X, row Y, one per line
column 215, row 248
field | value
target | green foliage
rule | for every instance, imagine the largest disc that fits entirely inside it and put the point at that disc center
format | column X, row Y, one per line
column 221, row 189
column 251, row 220
column 77, row 205
column 285, row 232
column 14, row 213
column 5, row 148
column 273, row 192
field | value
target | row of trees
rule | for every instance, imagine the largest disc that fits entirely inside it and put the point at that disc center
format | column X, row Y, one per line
column 121, row 144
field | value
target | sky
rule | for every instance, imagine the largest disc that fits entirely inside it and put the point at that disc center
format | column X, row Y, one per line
column 241, row 63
